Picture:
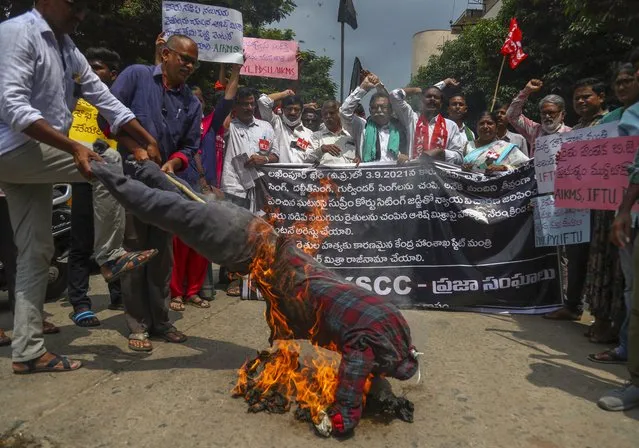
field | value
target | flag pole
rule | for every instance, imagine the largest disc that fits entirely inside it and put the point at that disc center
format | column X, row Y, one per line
column 503, row 61
column 341, row 85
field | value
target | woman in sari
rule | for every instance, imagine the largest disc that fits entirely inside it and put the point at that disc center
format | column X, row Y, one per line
column 488, row 153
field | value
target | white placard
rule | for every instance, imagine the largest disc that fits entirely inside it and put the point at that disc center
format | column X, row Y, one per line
column 559, row 226
column 218, row 31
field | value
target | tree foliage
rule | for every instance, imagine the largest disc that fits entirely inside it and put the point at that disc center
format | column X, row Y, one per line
column 565, row 40
column 130, row 27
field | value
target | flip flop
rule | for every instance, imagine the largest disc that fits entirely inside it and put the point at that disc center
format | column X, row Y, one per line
column 144, row 337
column 85, row 319
column 234, row 289
column 172, row 336
column 126, row 263
column 197, row 302
column 607, row 357
column 50, row 367
column 177, row 304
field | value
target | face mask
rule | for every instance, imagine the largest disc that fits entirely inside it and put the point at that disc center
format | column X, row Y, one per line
column 290, row 123
column 554, row 127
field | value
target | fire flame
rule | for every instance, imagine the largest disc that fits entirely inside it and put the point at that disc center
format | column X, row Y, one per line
column 312, row 385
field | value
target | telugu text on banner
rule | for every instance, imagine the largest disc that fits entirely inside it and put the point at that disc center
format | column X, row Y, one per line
column 429, row 236
column 217, row 31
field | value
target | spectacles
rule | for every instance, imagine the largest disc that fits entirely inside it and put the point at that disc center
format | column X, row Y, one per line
column 550, row 114
column 185, row 58
column 78, row 5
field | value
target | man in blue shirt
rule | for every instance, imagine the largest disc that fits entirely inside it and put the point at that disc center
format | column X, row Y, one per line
column 170, row 112
column 43, row 75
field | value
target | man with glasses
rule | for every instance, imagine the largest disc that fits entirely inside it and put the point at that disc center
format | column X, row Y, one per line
column 380, row 138
column 43, row 77
column 167, row 108
column 552, row 109
column 292, row 138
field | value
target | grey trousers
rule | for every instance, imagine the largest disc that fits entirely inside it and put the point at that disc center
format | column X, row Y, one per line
column 26, row 176
column 145, row 291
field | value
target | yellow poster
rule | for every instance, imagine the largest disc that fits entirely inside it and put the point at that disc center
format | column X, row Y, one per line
column 85, row 125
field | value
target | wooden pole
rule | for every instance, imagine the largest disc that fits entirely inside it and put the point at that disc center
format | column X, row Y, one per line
column 503, row 61
column 341, row 85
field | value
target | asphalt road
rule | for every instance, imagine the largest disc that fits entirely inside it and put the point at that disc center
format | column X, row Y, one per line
column 488, row 381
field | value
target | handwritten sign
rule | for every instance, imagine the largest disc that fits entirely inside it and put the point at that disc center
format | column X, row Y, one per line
column 217, row 31
column 270, row 58
column 594, row 174
column 546, row 149
column 85, row 125
column 559, row 226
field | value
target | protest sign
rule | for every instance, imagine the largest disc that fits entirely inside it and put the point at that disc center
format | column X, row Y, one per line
column 546, row 149
column 270, row 58
column 594, row 174
column 217, row 31
column 426, row 236
column 85, row 125
column 559, row 226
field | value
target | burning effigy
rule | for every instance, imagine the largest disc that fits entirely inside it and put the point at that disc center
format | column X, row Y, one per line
column 304, row 301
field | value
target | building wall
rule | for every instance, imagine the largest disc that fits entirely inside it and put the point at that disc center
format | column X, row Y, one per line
column 492, row 8
column 428, row 43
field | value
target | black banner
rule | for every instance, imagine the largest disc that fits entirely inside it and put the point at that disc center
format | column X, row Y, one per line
column 430, row 236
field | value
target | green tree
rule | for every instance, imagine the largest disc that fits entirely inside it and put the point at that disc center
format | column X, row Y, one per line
column 564, row 42
column 131, row 26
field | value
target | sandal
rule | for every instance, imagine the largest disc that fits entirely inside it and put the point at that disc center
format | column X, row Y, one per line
column 116, row 306
column 4, row 339
column 607, row 357
column 172, row 336
column 177, row 304
column 197, row 302
column 84, row 319
column 114, row 269
column 49, row 328
column 146, row 345
column 68, row 365
column 234, row 288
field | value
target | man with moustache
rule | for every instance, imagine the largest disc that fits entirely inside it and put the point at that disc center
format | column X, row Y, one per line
column 167, row 108
column 381, row 137
column 505, row 134
column 552, row 109
column 331, row 145
column 429, row 133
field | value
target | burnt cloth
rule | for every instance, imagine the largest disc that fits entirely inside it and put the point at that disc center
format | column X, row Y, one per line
column 370, row 332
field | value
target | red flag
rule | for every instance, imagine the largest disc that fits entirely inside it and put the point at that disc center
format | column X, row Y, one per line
column 512, row 47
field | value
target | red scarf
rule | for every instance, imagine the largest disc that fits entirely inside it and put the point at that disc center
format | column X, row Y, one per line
column 422, row 142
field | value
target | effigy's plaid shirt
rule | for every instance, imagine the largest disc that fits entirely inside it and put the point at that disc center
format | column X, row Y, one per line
column 369, row 331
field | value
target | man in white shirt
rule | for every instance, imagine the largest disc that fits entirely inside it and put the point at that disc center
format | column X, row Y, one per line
column 292, row 138
column 380, row 138
column 250, row 136
column 43, row 76
column 332, row 145
column 457, row 108
column 429, row 133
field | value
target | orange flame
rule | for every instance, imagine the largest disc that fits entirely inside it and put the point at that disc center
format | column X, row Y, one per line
column 312, row 385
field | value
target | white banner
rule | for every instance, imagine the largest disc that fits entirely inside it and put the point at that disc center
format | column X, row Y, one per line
column 218, row 31
column 559, row 226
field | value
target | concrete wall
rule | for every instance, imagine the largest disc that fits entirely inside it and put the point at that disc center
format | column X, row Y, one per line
column 492, row 8
column 427, row 43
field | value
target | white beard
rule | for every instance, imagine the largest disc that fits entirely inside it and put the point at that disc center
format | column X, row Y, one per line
column 290, row 123
column 554, row 127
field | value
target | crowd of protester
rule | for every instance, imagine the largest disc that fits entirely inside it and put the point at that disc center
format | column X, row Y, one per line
column 150, row 113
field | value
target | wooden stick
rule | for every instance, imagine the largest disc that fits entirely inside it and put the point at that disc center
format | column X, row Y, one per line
column 503, row 61
column 184, row 189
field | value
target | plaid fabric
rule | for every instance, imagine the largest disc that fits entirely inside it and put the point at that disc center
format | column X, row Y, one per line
column 369, row 332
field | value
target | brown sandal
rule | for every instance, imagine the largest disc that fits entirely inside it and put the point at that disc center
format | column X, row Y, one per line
column 197, row 302
column 56, row 364
column 146, row 345
column 177, row 304
column 234, row 289
column 171, row 335
column 49, row 328
column 114, row 269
